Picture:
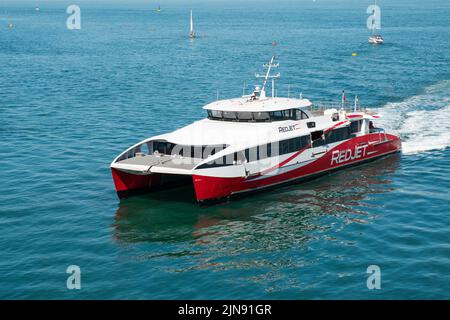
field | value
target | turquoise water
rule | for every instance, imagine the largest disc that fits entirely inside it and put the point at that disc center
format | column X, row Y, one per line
column 70, row 101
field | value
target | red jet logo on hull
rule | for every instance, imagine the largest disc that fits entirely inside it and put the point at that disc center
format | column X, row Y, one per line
column 341, row 156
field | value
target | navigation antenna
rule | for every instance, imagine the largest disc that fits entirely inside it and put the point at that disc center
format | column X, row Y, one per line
column 268, row 76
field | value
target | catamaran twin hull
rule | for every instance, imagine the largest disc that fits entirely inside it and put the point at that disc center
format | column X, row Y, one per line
column 222, row 182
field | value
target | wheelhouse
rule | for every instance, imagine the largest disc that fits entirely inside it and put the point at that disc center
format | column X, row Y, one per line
column 262, row 116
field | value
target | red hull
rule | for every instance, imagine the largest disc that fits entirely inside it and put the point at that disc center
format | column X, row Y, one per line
column 127, row 182
column 209, row 188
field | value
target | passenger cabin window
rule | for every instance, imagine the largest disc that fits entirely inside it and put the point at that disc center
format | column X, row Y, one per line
column 261, row 152
column 356, row 126
column 282, row 147
column 243, row 116
column 317, row 138
column 274, row 148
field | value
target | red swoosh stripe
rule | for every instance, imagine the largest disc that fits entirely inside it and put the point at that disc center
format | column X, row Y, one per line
column 282, row 163
column 336, row 125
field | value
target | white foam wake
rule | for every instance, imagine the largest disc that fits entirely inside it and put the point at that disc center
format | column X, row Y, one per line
column 423, row 121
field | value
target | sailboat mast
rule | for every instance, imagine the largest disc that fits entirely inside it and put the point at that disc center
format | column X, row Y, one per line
column 192, row 24
column 374, row 17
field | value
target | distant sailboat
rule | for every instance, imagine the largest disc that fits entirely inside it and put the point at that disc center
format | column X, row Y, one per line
column 191, row 30
column 375, row 38
column 158, row 9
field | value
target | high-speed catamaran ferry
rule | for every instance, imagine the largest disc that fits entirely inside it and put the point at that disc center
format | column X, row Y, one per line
column 253, row 143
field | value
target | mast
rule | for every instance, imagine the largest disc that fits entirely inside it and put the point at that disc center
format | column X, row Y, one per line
column 373, row 17
column 267, row 76
column 373, row 21
column 191, row 31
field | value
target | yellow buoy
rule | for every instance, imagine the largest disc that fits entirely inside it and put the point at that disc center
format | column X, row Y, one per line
column 354, row 54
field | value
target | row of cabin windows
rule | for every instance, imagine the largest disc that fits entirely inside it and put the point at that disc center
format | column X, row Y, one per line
column 283, row 147
column 260, row 152
column 244, row 116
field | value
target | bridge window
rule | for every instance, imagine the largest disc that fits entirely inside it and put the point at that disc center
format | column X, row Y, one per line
column 214, row 114
column 300, row 114
column 338, row 135
column 356, row 126
column 261, row 116
column 280, row 115
column 227, row 115
column 243, row 116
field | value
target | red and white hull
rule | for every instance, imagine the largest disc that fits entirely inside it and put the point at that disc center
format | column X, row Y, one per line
column 351, row 152
column 215, row 187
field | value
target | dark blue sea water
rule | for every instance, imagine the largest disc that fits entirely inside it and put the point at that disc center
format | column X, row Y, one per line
column 71, row 100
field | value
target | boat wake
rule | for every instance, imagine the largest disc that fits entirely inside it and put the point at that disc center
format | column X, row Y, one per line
column 423, row 121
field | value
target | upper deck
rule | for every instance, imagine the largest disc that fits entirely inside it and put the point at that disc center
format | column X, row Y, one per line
column 246, row 104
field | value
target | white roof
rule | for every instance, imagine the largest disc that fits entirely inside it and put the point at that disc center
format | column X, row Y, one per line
column 259, row 105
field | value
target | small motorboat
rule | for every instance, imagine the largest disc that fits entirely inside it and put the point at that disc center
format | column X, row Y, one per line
column 376, row 39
